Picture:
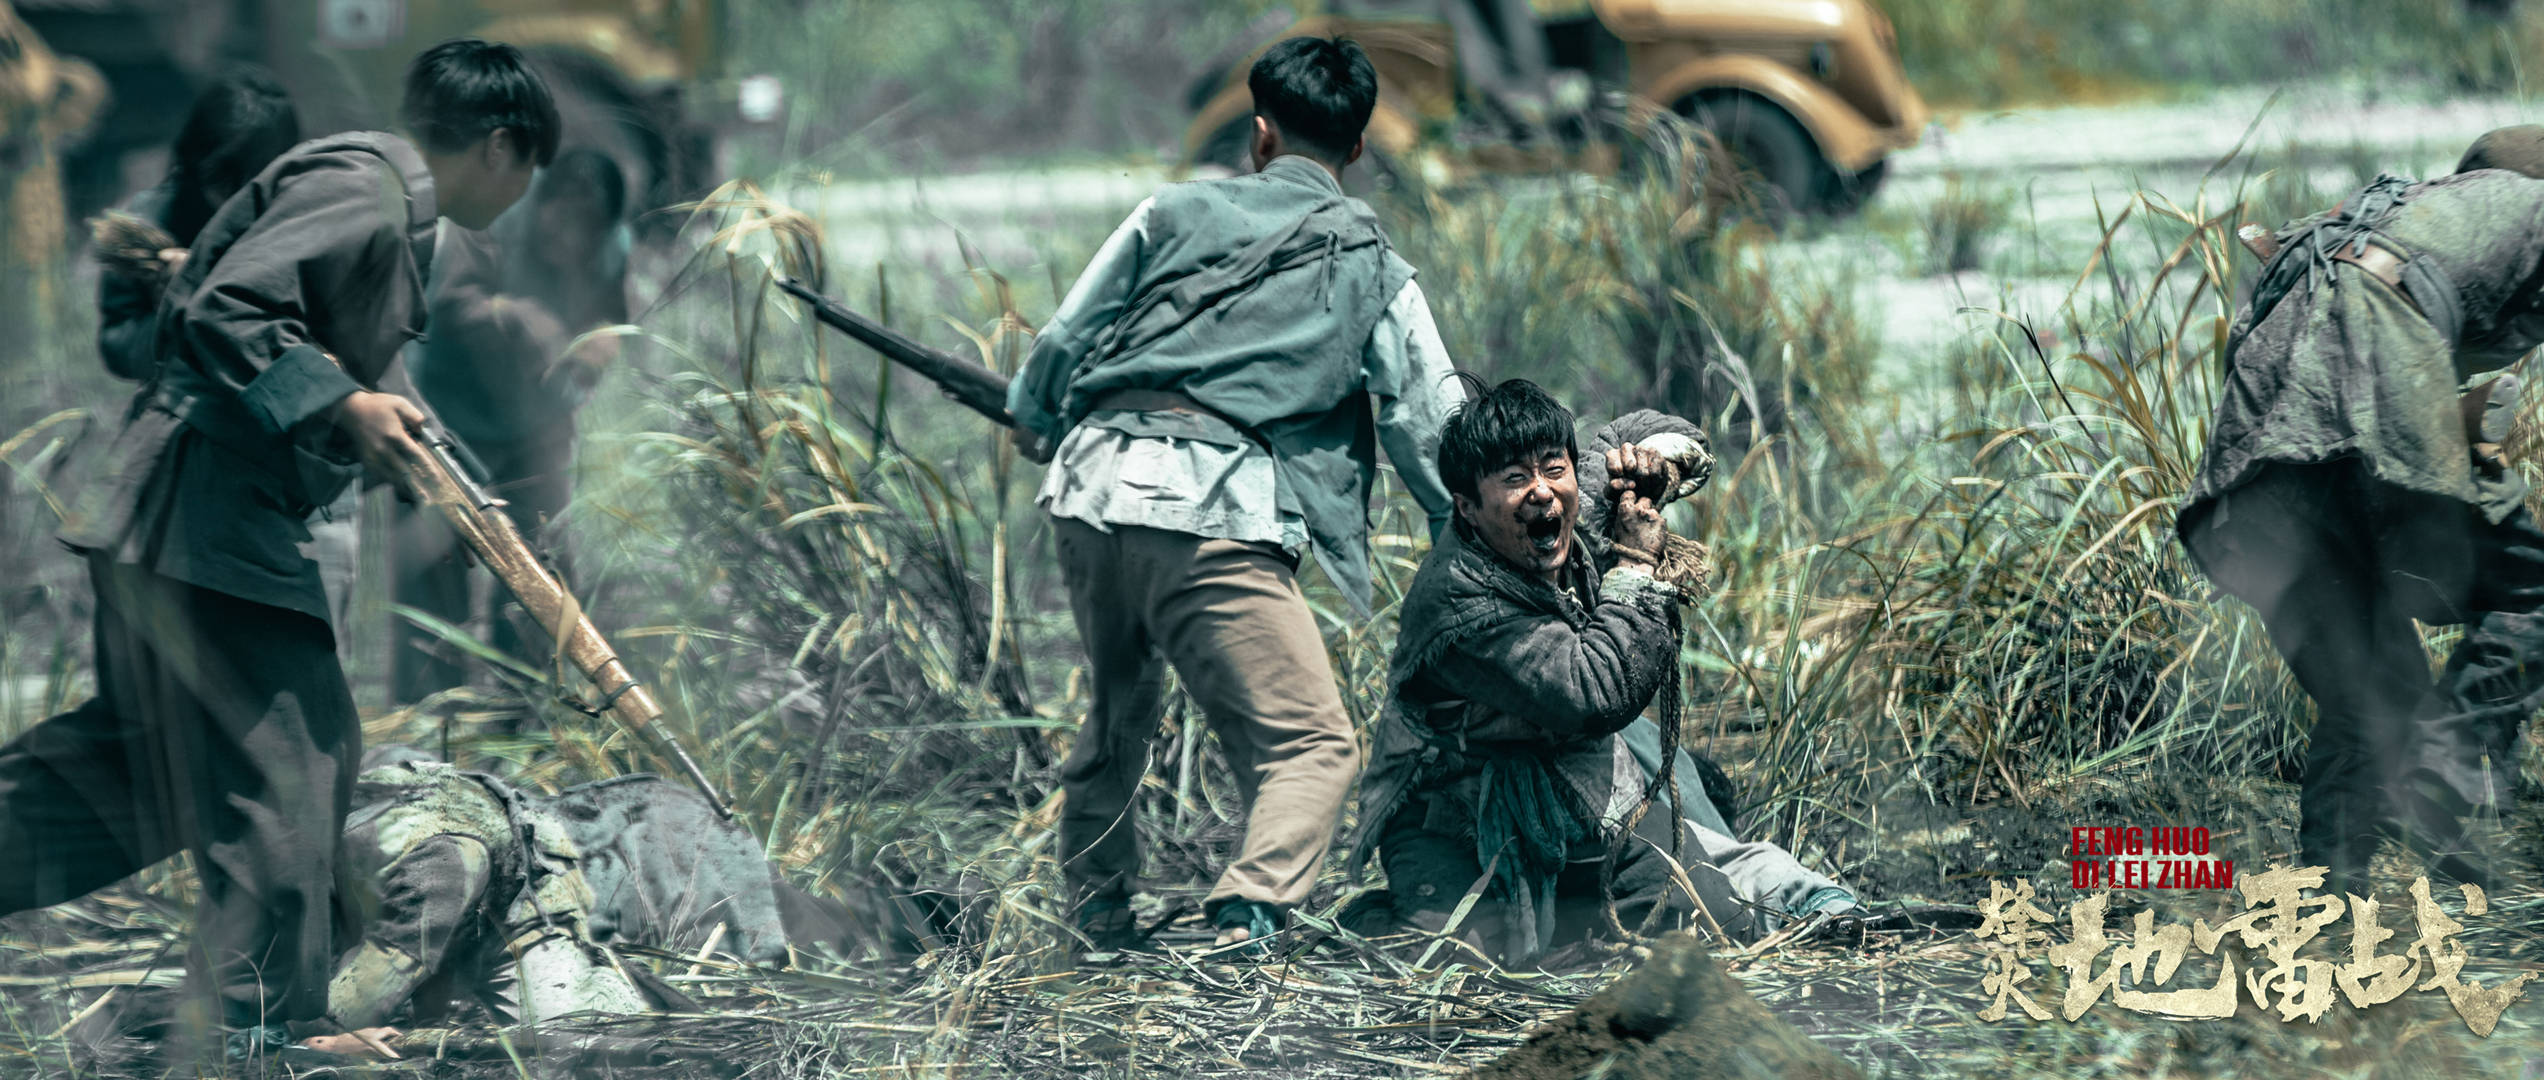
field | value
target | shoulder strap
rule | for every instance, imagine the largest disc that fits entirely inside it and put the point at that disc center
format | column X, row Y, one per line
column 423, row 208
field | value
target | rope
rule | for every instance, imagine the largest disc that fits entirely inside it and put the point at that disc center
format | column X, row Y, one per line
column 1662, row 785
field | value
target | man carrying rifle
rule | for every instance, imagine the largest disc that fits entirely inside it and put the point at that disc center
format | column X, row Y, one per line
column 1203, row 396
column 2347, row 492
column 223, row 725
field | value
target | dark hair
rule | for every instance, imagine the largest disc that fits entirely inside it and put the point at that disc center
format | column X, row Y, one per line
column 1318, row 91
column 236, row 127
column 1515, row 421
column 459, row 91
column 585, row 173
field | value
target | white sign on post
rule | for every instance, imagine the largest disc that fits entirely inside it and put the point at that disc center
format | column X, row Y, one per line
column 360, row 24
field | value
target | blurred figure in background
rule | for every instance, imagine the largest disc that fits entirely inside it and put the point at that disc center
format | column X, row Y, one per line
column 1501, row 57
column 510, row 360
column 238, row 125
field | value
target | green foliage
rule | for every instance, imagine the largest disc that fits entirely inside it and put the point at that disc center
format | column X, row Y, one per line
column 1960, row 225
column 1989, row 53
column 878, row 83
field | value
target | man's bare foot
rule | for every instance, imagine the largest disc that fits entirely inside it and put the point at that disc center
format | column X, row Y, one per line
column 371, row 1043
column 1234, row 935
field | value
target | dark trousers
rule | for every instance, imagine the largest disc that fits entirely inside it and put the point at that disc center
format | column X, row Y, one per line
column 2339, row 565
column 1428, row 851
column 535, row 480
column 223, row 728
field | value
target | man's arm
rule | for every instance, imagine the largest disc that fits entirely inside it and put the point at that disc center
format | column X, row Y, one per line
column 1102, row 290
column 325, row 242
column 332, row 242
column 1570, row 683
column 1409, row 370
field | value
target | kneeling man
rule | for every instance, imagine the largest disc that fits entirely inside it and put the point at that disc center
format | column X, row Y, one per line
column 1531, row 639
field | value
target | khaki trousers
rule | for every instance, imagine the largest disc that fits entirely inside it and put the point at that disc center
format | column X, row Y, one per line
column 1228, row 615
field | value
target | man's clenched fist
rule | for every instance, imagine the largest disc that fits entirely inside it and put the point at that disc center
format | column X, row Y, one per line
column 382, row 427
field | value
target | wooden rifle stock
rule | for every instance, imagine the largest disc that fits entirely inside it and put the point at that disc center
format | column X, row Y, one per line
column 977, row 387
column 439, row 482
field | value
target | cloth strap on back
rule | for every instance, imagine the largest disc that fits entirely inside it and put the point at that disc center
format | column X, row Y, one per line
column 2351, row 232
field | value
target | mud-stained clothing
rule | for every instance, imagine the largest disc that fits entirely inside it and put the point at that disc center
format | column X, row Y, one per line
column 2340, row 497
column 228, row 449
column 223, row 725
column 1274, row 304
column 1498, row 755
column 456, row 876
column 463, row 887
column 1207, row 385
column 1229, row 617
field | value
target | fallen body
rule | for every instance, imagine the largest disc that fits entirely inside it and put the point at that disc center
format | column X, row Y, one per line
column 466, row 889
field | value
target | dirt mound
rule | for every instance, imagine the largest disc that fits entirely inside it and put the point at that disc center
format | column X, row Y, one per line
column 1679, row 1017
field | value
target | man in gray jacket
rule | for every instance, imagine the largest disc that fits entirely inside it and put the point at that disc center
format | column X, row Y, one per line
column 223, row 725
column 1532, row 638
column 1205, row 389
column 2345, row 496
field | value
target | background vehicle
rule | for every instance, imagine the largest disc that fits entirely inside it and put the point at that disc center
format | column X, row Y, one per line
column 1807, row 94
column 640, row 80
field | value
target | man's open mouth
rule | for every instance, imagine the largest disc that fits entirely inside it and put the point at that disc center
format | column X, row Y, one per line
column 1545, row 534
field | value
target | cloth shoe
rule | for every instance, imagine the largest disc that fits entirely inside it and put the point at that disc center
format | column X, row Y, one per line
column 1260, row 920
column 1108, row 923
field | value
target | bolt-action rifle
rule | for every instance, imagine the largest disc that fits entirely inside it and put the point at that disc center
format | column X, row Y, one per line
column 440, row 481
column 978, row 388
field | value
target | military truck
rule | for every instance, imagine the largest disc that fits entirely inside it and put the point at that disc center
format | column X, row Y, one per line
column 641, row 80
column 1808, row 96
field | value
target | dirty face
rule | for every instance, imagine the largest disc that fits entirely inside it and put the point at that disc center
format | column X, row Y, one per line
column 1524, row 511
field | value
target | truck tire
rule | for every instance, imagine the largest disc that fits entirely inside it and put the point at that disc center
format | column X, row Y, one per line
column 1778, row 164
column 1843, row 194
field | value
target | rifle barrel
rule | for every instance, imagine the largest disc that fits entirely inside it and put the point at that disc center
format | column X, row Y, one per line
column 977, row 387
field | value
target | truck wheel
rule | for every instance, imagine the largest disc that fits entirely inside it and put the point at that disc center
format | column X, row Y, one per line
column 1843, row 194
column 1779, row 163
